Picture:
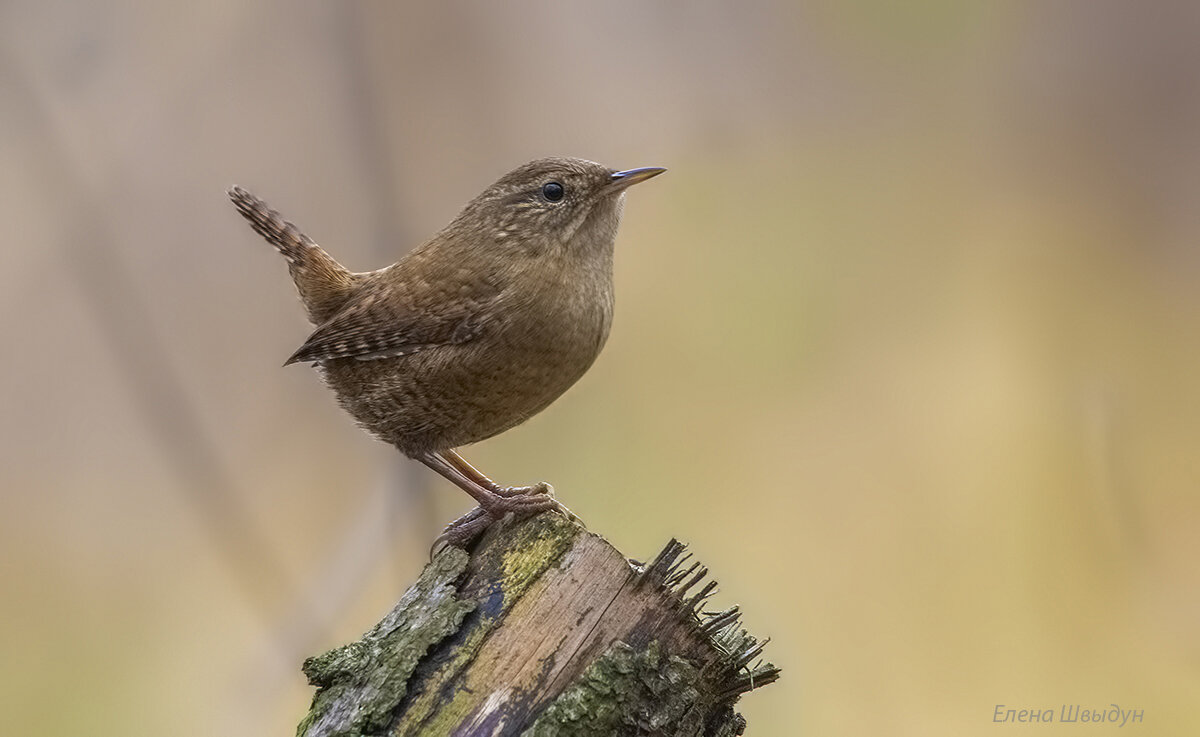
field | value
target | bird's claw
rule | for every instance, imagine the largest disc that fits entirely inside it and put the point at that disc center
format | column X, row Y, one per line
column 526, row 502
column 539, row 489
column 462, row 532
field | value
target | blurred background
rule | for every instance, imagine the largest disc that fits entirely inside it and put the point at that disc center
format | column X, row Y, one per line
column 906, row 343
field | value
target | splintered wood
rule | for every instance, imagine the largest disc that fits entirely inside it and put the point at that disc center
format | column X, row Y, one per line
column 544, row 629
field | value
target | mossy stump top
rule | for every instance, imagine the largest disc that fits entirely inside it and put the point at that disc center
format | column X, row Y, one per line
column 543, row 629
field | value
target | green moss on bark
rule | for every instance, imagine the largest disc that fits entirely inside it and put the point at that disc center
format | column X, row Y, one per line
column 452, row 658
column 506, row 563
column 360, row 684
column 626, row 692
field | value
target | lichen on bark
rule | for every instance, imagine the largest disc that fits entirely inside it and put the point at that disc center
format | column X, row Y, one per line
column 626, row 692
column 360, row 684
column 544, row 630
column 506, row 562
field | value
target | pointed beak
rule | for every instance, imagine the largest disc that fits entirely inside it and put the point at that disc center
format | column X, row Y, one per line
column 630, row 177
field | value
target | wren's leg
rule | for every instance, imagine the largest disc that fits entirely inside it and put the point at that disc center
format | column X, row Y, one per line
column 494, row 501
column 453, row 458
column 539, row 489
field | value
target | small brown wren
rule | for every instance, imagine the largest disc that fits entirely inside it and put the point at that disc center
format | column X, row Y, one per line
column 472, row 332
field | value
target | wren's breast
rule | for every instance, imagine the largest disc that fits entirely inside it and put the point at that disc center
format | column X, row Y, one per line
column 446, row 396
column 547, row 353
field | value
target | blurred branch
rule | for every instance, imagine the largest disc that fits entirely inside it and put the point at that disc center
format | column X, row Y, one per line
column 370, row 143
column 412, row 497
column 347, row 563
column 158, row 393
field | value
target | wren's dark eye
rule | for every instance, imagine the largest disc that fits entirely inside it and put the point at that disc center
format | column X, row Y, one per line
column 552, row 191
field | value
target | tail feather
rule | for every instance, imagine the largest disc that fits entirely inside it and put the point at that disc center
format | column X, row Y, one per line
column 323, row 283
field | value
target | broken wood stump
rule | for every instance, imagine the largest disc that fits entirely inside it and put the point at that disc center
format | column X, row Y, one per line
column 543, row 629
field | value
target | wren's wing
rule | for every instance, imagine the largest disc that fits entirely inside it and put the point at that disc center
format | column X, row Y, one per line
column 383, row 321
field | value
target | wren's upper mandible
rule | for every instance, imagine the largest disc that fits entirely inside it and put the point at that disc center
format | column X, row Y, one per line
column 475, row 330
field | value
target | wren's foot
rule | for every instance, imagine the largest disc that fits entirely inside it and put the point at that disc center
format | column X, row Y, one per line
column 509, row 491
column 463, row 531
column 495, row 501
column 466, row 529
column 539, row 489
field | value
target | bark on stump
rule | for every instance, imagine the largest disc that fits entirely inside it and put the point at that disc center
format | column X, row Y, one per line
column 544, row 629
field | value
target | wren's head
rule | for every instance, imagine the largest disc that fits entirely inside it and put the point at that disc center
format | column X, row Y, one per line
column 551, row 205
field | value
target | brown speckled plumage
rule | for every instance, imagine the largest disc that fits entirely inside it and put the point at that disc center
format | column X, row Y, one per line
column 477, row 329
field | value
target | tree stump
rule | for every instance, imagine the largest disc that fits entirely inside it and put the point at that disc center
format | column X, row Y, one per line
column 543, row 629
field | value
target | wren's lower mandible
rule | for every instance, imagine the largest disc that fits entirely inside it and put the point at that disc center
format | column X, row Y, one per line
column 472, row 332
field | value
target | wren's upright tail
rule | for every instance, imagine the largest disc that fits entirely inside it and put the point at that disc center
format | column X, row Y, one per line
column 323, row 283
